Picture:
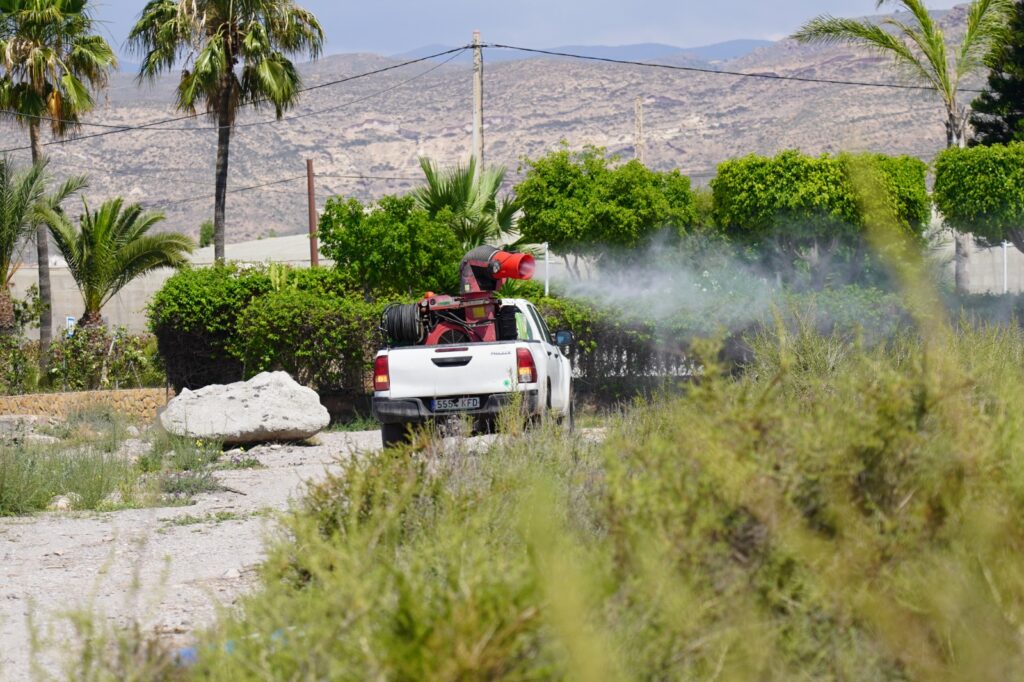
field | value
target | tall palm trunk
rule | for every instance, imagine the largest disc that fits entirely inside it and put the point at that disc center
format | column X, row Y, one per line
column 43, row 261
column 956, row 136
column 223, row 147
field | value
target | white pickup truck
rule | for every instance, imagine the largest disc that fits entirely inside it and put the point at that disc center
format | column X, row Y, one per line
column 417, row 384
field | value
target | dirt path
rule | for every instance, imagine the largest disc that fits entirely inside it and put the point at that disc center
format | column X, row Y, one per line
column 51, row 563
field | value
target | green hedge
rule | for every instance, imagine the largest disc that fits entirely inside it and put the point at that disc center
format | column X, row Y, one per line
column 981, row 191
column 756, row 197
column 322, row 340
column 224, row 324
column 194, row 318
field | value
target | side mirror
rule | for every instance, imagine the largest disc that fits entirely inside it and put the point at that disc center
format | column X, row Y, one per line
column 564, row 338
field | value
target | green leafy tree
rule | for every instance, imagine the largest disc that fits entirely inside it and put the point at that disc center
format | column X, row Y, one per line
column 981, row 190
column 233, row 53
column 998, row 116
column 53, row 61
column 24, row 204
column 111, row 247
column 468, row 202
column 919, row 47
column 583, row 205
column 392, row 247
column 802, row 212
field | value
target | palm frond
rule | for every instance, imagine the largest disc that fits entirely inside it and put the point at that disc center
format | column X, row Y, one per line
column 988, row 23
column 111, row 247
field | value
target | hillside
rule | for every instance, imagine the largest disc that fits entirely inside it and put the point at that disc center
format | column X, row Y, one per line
column 380, row 125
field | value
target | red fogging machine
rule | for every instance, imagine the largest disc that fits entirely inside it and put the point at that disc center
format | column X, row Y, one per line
column 474, row 315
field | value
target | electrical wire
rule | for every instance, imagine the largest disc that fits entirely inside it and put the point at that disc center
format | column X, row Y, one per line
column 114, row 129
column 717, row 72
column 165, row 204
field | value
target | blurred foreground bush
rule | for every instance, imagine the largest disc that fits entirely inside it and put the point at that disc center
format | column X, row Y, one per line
column 837, row 513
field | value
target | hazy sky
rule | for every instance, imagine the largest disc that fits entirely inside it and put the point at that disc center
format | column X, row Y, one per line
column 394, row 26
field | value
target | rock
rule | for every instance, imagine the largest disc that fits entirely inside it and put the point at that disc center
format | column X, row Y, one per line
column 64, row 502
column 16, row 425
column 269, row 407
column 133, row 431
column 114, row 499
column 232, row 574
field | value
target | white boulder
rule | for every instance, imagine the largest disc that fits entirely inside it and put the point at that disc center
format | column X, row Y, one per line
column 269, row 407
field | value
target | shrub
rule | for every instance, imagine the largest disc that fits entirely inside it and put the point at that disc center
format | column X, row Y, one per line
column 194, row 317
column 18, row 365
column 323, row 341
column 856, row 519
column 93, row 358
column 391, row 247
column 801, row 212
column 585, row 205
column 981, row 191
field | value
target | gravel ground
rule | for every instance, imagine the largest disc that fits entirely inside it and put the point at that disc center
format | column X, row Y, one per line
column 139, row 565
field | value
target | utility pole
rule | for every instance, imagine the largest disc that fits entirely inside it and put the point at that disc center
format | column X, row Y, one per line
column 478, row 102
column 314, row 249
column 638, row 132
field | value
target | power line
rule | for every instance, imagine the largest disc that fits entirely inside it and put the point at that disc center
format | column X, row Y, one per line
column 160, row 205
column 717, row 72
column 114, row 129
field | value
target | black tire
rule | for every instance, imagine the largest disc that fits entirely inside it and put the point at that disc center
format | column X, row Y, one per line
column 394, row 434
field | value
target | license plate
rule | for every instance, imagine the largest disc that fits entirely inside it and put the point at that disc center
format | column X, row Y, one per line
column 444, row 404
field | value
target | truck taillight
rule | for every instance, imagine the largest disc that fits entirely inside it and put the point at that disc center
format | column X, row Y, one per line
column 525, row 366
column 381, row 378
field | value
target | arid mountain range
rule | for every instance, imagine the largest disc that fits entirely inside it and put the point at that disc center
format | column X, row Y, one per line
column 366, row 135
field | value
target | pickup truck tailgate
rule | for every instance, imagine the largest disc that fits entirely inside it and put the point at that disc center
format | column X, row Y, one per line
column 438, row 371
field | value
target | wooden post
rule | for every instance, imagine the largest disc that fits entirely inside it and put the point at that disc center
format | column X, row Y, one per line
column 314, row 249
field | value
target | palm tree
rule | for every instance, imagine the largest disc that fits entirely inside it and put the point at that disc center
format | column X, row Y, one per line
column 919, row 46
column 111, row 248
column 24, row 203
column 468, row 201
column 211, row 39
column 52, row 62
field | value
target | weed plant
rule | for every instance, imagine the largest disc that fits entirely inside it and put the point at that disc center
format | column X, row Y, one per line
column 838, row 512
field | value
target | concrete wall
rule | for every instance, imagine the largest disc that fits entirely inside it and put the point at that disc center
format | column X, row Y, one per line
column 141, row 404
column 128, row 308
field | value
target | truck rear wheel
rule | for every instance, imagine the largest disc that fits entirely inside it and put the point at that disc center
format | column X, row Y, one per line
column 394, row 434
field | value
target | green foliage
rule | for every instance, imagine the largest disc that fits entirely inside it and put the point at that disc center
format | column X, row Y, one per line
column 52, row 60
column 223, row 324
column 795, row 197
column 981, row 191
column 111, row 247
column 800, row 213
column 391, row 247
column 206, row 234
column 320, row 340
column 998, row 113
column 194, row 318
column 93, row 358
column 835, row 514
column 24, row 203
column 18, row 365
column 584, row 204
column 467, row 202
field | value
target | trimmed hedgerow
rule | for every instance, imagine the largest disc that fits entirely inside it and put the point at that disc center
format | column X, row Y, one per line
column 323, row 341
column 981, row 191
